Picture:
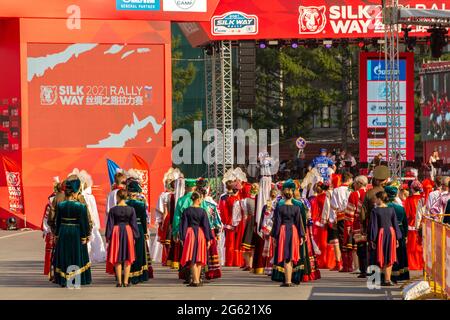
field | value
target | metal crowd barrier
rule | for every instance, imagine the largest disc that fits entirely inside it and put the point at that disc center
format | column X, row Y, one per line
column 436, row 255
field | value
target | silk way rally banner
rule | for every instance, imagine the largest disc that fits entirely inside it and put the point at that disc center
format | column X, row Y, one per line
column 90, row 95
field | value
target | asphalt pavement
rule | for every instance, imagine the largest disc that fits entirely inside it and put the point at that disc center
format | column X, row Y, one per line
column 21, row 277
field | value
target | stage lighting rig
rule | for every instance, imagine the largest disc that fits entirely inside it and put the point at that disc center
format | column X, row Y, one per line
column 438, row 40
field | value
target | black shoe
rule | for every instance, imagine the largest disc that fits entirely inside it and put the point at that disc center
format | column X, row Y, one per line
column 118, row 285
column 387, row 284
column 126, row 285
column 286, row 285
column 186, row 282
column 362, row 276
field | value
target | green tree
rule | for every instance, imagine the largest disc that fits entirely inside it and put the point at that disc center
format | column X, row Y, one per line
column 183, row 74
column 293, row 84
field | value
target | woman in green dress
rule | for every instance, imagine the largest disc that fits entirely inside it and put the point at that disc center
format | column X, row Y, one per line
column 140, row 268
column 400, row 270
column 71, row 261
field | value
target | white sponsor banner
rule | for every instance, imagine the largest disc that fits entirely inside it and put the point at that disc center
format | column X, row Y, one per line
column 378, row 91
column 376, row 143
column 372, row 153
column 402, row 143
column 185, row 5
column 380, row 108
column 381, row 121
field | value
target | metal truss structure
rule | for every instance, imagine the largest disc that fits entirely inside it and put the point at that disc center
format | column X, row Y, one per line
column 219, row 111
column 393, row 18
column 392, row 68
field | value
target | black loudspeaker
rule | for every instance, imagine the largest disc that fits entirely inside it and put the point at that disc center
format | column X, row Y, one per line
column 247, row 74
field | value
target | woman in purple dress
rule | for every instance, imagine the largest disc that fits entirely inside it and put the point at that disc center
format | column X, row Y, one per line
column 384, row 234
column 121, row 230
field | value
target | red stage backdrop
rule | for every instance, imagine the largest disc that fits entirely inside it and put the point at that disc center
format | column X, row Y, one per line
column 373, row 132
column 102, row 92
column 297, row 19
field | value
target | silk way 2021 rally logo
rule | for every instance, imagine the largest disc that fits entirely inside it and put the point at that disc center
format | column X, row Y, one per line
column 312, row 20
column 234, row 23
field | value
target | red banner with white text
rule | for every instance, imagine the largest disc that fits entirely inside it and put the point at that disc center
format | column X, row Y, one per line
column 14, row 182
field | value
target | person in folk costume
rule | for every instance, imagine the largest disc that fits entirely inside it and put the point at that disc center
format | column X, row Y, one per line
column 339, row 204
column 72, row 231
column 413, row 204
column 60, row 197
column 248, row 205
column 380, row 176
column 215, row 222
column 196, row 234
column 400, row 271
column 289, row 232
column 226, row 206
column 265, row 228
column 237, row 221
column 320, row 231
column 427, row 185
column 182, row 204
column 139, row 271
column 96, row 246
column 403, row 194
column 173, row 259
column 264, row 196
column 310, row 249
column 121, row 232
column 434, row 195
column 352, row 226
column 164, row 215
column 335, row 217
column 47, row 233
column 223, row 209
column 120, row 179
column 384, row 235
column 440, row 205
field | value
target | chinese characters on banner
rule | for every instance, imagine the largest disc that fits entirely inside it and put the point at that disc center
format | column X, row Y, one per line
column 14, row 183
column 374, row 127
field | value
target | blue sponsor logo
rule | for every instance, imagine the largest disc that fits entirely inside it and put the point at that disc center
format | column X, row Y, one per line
column 376, row 70
column 138, row 5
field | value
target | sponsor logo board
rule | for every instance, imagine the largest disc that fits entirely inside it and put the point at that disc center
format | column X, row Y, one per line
column 380, row 108
column 381, row 121
column 234, row 23
column 185, row 5
column 378, row 91
column 138, row 5
column 376, row 143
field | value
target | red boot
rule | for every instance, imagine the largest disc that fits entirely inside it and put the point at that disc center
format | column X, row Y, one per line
column 350, row 261
column 338, row 266
column 344, row 262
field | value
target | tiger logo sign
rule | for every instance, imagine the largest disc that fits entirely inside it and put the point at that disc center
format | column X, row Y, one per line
column 49, row 95
column 312, row 20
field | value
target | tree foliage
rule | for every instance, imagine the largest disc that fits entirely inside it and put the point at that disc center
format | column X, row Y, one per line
column 183, row 74
column 293, row 84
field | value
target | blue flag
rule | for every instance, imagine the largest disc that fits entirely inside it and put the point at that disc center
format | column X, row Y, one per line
column 112, row 169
